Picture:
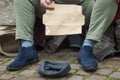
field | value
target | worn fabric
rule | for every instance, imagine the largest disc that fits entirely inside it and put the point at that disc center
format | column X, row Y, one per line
column 99, row 21
column 117, row 36
column 107, row 45
column 54, row 69
column 25, row 11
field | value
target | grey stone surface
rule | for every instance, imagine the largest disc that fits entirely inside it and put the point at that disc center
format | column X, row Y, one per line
column 28, row 73
column 111, row 63
column 18, row 78
column 1, row 63
column 36, row 79
column 119, row 69
column 75, row 77
column 104, row 71
column 82, row 72
column 72, row 71
column 96, row 77
column 115, row 75
column 2, row 68
column 6, row 12
column 6, row 77
column 56, row 79
column 75, row 66
column 35, row 66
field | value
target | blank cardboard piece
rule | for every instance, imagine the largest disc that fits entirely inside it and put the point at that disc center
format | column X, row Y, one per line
column 64, row 20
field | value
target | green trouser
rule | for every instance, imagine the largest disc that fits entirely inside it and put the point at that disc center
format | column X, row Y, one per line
column 102, row 15
column 26, row 10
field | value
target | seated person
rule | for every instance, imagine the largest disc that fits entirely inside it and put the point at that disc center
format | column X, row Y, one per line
column 99, row 13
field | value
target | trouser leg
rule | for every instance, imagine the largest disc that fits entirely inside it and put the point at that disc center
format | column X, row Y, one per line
column 87, row 6
column 25, row 11
column 103, row 13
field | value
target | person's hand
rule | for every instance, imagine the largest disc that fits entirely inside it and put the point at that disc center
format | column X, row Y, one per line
column 48, row 4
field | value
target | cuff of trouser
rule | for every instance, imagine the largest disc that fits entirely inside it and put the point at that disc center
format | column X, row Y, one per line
column 97, row 39
column 24, row 38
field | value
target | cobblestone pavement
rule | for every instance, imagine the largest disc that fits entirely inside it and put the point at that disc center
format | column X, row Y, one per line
column 109, row 69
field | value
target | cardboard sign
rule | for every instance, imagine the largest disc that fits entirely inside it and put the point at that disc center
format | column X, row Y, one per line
column 64, row 20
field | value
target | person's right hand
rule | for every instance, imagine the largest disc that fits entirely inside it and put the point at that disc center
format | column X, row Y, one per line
column 48, row 4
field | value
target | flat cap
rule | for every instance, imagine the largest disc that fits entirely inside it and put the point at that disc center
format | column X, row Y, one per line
column 54, row 69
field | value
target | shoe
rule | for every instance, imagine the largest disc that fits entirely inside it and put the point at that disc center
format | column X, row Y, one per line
column 86, row 59
column 26, row 55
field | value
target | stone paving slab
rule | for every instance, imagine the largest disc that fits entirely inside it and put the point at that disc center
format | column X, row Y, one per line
column 109, row 69
column 7, row 16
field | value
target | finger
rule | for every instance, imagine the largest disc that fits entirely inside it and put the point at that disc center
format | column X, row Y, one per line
column 47, row 4
column 48, row 1
column 51, row 6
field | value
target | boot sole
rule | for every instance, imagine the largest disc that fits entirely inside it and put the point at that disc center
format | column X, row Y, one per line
column 91, row 69
column 15, row 69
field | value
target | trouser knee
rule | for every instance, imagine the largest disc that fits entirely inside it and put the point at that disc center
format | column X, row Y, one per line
column 21, row 3
column 18, row 3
